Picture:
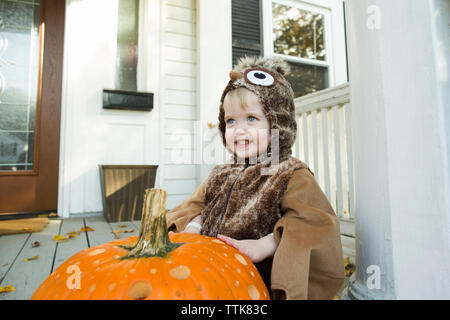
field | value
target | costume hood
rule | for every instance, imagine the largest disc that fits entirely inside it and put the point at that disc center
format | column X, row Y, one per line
column 265, row 78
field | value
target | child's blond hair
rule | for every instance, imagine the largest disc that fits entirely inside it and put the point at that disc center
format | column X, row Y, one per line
column 242, row 94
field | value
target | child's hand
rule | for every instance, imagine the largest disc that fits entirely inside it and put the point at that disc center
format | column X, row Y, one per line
column 255, row 250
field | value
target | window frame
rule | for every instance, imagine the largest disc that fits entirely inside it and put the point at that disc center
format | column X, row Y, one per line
column 330, row 10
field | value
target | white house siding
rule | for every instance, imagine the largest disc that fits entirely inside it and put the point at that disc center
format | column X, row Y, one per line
column 91, row 135
column 179, row 107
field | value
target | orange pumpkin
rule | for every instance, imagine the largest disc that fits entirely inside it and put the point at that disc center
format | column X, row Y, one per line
column 155, row 266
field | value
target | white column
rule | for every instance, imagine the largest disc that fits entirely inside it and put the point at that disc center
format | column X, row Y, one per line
column 396, row 52
column 214, row 65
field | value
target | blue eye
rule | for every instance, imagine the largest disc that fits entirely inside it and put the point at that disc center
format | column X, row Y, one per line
column 252, row 117
column 229, row 121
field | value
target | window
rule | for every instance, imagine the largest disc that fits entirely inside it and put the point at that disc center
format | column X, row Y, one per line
column 127, row 45
column 19, row 79
column 299, row 33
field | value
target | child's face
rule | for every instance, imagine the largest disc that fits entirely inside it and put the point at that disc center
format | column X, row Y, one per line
column 247, row 131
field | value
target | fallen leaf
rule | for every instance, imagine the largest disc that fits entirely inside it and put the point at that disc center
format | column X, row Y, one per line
column 336, row 298
column 72, row 234
column 346, row 261
column 122, row 225
column 86, row 229
column 32, row 258
column 116, row 233
column 53, row 214
column 7, row 288
column 35, row 244
column 349, row 267
column 59, row 238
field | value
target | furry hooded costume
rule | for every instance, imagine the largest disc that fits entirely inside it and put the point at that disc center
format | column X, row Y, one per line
column 274, row 192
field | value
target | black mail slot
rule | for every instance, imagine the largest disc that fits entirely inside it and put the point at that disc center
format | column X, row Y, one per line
column 127, row 100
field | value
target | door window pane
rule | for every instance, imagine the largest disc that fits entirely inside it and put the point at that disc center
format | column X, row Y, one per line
column 127, row 45
column 19, row 73
column 298, row 32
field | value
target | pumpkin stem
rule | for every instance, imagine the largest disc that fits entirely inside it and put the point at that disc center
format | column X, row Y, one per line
column 153, row 237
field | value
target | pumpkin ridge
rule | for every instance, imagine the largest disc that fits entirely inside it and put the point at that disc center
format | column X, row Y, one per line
column 232, row 266
column 206, row 264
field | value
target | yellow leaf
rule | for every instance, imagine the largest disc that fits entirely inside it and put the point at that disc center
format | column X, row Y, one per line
column 7, row 288
column 346, row 261
column 32, row 258
column 349, row 267
column 27, row 229
column 73, row 234
column 116, row 233
column 87, row 228
column 59, row 238
column 336, row 298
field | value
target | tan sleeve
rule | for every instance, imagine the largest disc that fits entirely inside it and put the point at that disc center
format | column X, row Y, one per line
column 181, row 215
column 308, row 263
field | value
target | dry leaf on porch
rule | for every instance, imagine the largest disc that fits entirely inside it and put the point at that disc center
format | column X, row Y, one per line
column 349, row 267
column 59, row 238
column 7, row 288
column 48, row 215
column 72, row 234
column 35, row 244
column 117, row 232
column 86, row 229
column 346, row 261
column 32, row 258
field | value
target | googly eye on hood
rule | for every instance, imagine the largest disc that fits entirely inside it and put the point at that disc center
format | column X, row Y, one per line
column 259, row 76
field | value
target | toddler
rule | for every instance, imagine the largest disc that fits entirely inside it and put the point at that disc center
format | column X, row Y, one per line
column 265, row 202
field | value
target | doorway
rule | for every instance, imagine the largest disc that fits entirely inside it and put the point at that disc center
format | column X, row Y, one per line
column 31, row 54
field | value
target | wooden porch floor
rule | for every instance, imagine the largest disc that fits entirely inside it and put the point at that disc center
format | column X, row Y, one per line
column 26, row 276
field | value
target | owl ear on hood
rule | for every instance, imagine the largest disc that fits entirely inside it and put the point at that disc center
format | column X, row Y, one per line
column 280, row 65
column 235, row 75
column 273, row 63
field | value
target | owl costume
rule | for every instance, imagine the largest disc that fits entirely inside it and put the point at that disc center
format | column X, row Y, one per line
column 271, row 193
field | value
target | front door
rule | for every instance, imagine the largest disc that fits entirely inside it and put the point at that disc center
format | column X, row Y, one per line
column 31, row 52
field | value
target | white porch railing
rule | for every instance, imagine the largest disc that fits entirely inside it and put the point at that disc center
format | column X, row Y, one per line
column 324, row 143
